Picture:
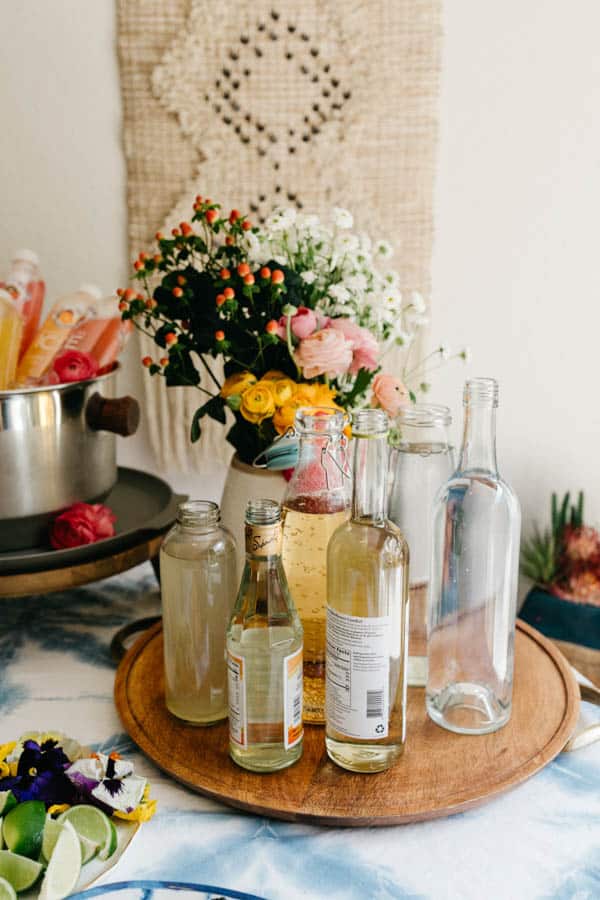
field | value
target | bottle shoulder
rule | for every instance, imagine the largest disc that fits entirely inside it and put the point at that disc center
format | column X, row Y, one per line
column 478, row 485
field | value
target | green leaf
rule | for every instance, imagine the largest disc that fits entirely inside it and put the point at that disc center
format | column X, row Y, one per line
column 196, row 429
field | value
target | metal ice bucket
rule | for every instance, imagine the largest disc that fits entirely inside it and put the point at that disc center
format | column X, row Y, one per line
column 57, row 447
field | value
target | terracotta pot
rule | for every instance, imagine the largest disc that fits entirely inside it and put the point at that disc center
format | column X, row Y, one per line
column 242, row 483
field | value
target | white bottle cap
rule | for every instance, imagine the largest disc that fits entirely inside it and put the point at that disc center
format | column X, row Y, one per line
column 92, row 289
column 27, row 256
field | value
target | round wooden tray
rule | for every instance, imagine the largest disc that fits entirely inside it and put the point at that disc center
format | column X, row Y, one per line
column 440, row 773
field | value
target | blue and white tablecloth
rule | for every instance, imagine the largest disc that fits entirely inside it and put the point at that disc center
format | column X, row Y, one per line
column 541, row 840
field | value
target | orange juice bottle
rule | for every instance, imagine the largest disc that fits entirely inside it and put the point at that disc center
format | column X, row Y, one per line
column 90, row 329
column 111, row 342
column 66, row 313
column 11, row 332
column 27, row 290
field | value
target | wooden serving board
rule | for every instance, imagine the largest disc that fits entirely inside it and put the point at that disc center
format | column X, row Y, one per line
column 440, row 773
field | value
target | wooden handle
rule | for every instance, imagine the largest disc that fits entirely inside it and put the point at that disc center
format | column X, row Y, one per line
column 120, row 415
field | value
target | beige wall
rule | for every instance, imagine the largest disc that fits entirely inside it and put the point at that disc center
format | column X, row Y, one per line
column 515, row 270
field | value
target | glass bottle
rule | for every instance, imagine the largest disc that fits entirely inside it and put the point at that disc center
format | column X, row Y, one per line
column 264, row 653
column 421, row 461
column 198, row 585
column 474, row 574
column 367, row 616
column 316, row 502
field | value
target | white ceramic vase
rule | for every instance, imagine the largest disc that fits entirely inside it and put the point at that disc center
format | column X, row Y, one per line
column 242, row 483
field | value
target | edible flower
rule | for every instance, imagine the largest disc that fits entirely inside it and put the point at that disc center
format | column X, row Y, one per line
column 40, row 773
column 109, row 781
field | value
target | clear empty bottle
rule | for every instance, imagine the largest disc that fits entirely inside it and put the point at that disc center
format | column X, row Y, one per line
column 264, row 653
column 198, row 588
column 421, row 461
column 474, row 575
column 367, row 615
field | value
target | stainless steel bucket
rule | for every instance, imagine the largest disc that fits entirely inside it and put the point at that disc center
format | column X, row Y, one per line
column 57, row 447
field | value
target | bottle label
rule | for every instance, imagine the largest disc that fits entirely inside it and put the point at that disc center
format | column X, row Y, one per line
column 292, row 699
column 263, row 540
column 357, row 671
column 236, row 683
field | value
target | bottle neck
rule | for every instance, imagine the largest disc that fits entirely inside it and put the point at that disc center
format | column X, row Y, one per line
column 479, row 439
column 370, row 478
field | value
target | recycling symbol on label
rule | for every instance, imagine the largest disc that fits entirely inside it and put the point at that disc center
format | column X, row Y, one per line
column 379, row 728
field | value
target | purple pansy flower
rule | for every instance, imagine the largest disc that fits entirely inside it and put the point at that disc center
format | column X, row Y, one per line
column 41, row 774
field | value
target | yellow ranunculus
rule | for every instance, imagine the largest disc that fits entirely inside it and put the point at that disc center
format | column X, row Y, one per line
column 273, row 375
column 257, row 404
column 315, row 394
column 283, row 390
column 237, row 384
column 285, row 417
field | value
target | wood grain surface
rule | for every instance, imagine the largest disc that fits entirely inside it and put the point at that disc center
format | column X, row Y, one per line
column 440, row 773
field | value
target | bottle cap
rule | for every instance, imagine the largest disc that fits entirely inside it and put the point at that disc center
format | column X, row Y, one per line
column 92, row 289
column 27, row 256
column 481, row 391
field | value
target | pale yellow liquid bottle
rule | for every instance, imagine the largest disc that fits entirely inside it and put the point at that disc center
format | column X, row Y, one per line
column 316, row 503
column 11, row 333
column 367, row 616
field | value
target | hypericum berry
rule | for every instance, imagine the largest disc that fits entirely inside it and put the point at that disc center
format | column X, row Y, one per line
column 150, row 303
column 234, row 215
column 249, row 278
column 229, row 241
column 225, row 274
column 271, row 326
column 147, row 361
column 243, row 269
column 265, row 272
column 177, row 292
column 138, row 265
column 208, row 201
column 186, row 229
column 129, row 294
column 143, row 256
column 211, row 216
column 229, row 293
column 139, row 296
column 219, row 335
column 170, row 338
column 181, row 279
column 123, row 305
column 164, row 361
column 157, row 258
column 277, row 277
column 198, row 198
column 175, row 232
column 159, row 236
column 246, row 225
column 120, row 292
column 220, row 300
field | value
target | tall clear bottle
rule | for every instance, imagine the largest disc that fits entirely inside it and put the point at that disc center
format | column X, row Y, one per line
column 421, row 461
column 264, row 653
column 198, row 587
column 367, row 616
column 316, row 502
column 474, row 575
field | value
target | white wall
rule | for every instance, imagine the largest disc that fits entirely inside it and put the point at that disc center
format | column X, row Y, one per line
column 515, row 267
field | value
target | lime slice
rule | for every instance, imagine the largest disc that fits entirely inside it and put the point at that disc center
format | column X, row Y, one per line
column 88, row 849
column 1, row 838
column 7, row 891
column 91, row 823
column 52, row 830
column 7, row 801
column 23, row 826
column 64, row 866
column 21, row 872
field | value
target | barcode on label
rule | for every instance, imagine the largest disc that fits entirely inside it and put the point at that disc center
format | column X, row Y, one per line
column 297, row 711
column 375, row 704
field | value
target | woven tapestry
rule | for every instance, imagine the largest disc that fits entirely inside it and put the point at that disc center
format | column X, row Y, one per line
column 262, row 104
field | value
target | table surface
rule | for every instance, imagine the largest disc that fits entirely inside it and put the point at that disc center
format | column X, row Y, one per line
column 541, row 840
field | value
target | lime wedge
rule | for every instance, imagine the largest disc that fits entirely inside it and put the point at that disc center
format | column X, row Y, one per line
column 52, row 830
column 88, row 849
column 1, row 838
column 7, row 891
column 64, row 866
column 91, row 823
column 19, row 871
column 7, row 801
column 23, row 826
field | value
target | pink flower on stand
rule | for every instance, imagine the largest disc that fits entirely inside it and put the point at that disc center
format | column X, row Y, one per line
column 364, row 344
column 82, row 523
column 72, row 365
column 326, row 352
column 390, row 394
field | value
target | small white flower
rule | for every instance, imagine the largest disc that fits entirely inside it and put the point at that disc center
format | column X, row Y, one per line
column 308, row 277
column 465, row 354
column 444, row 352
column 339, row 293
column 342, row 218
column 417, row 303
column 357, row 282
column 383, row 249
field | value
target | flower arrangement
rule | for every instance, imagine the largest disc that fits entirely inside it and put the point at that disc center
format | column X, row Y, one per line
column 82, row 523
column 565, row 559
column 300, row 311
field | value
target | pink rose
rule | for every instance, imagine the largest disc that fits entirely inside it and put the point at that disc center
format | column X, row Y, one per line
column 72, row 365
column 302, row 323
column 389, row 393
column 364, row 345
column 326, row 352
column 82, row 523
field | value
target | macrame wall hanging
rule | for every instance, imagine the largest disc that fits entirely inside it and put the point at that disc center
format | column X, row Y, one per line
column 261, row 104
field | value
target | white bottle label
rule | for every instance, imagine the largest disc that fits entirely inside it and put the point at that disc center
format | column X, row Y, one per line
column 357, row 670
column 292, row 699
column 236, row 683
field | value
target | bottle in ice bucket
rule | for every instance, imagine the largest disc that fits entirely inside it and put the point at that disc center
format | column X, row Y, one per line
column 316, row 502
column 367, row 615
column 23, row 283
column 264, row 653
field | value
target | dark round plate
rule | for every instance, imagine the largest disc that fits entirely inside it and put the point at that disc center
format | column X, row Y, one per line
column 143, row 504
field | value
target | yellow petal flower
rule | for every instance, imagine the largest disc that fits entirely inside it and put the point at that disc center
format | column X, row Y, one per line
column 4, row 770
column 58, row 808
column 283, row 390
column 7, row 749
column 257, row 404
column 285, row 417
column 273, row 375
column 237, row 384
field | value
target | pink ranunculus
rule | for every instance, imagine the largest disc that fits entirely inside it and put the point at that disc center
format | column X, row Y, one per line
column 72, row 365
column 364, row 344
column 82, row 523
column 390, row 394
column 302, row 324
column 326, row 352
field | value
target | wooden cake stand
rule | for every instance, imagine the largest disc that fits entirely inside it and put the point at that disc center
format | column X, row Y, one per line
column 440, row 773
